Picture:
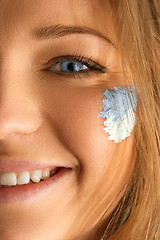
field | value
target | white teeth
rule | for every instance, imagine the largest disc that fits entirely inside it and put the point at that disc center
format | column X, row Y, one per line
column 12, row 179
column 36, row 175
column 23, row 178
column 46, row 174
column 8, row 179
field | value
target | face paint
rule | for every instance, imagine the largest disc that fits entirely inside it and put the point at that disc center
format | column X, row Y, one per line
column 119, row 106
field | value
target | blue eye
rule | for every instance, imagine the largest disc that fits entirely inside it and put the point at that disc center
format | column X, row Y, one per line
column 72, row 66
column 68, row 66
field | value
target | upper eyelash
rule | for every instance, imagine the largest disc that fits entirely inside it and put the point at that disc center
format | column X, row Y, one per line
column 88, row 62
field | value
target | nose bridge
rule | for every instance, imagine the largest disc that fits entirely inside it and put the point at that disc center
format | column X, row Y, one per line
column 19, row 112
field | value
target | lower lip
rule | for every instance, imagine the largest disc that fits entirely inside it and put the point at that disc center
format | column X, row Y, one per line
column 29, row 191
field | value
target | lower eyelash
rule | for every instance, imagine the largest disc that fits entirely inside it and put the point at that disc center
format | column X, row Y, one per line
column 79, row 74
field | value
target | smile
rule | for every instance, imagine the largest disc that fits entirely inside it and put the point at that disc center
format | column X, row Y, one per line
column 28, row 185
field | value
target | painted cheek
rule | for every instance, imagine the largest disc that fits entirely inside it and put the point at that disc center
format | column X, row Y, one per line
column 119, row 106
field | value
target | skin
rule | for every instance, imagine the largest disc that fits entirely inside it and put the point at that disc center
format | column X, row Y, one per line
column 46, row 116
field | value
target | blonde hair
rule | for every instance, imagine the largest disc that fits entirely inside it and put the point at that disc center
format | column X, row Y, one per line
column 138, row 213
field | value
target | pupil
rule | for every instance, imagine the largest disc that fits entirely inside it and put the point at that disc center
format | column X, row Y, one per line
column 70, row 66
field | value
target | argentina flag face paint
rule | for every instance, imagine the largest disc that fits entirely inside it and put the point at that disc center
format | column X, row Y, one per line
column 119, row 106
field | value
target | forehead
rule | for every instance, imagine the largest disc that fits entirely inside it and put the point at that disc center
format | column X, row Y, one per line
column 22, row 16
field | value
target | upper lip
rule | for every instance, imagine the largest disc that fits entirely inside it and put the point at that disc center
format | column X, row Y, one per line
column 20, row 165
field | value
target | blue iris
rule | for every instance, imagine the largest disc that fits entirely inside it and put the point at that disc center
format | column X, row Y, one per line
column 71, row 66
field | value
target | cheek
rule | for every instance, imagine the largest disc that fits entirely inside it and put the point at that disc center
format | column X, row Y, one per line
column 73, row 115
column 77, row 123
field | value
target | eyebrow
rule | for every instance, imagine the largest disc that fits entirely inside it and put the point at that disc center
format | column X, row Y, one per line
column 57, row 31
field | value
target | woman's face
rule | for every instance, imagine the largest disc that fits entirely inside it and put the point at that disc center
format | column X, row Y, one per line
column 49, row 115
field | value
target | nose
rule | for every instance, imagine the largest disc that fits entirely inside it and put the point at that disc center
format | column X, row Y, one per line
column 19, row 111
